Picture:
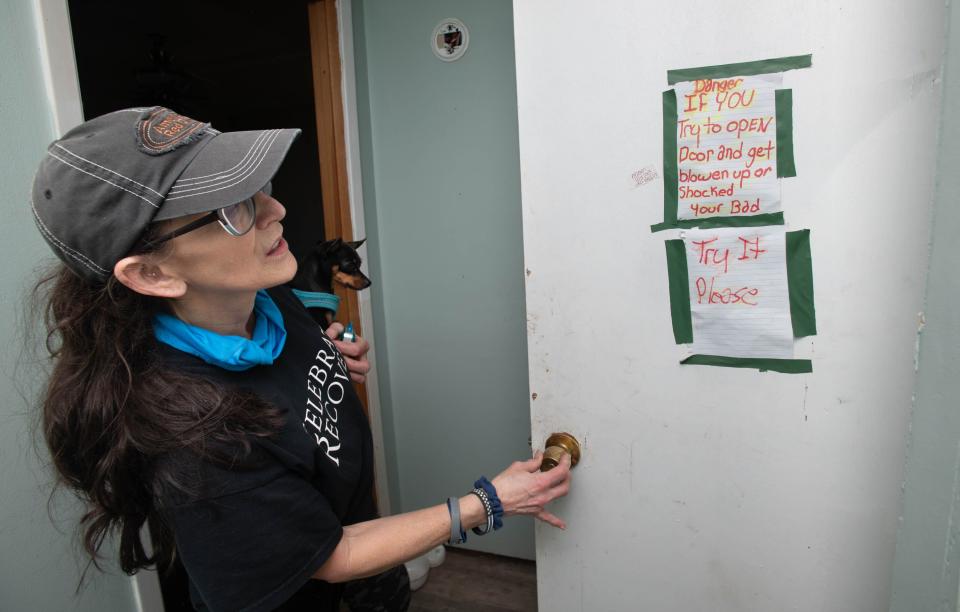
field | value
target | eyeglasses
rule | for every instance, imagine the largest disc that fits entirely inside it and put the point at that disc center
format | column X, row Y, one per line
column 237, row 219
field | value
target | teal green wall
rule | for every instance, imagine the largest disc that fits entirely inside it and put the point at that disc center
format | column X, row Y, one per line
column 927, row 562
column 441, row 180
column 39, row 568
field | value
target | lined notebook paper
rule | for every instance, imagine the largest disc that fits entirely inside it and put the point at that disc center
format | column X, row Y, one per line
column 739, row 298
column 726, row 146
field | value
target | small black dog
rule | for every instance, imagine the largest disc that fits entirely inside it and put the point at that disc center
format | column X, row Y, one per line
column 329, row 262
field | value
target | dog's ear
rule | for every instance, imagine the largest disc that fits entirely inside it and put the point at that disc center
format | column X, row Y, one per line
column 356, row 243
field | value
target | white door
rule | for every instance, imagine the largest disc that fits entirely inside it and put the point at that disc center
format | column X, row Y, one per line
column 711, row 488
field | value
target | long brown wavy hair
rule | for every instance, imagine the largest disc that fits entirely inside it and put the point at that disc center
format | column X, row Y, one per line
column 112, row 413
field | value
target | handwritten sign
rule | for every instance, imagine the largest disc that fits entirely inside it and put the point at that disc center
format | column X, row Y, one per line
column 727, row 146
column 739, row 297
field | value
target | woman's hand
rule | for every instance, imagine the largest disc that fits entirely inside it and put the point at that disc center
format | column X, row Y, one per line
column 354, row 353
column 373, row 546
column 524, row 489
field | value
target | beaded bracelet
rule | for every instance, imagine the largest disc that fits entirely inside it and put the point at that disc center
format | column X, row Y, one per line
column 496, row 508
column 488, row 510
column 487, row 494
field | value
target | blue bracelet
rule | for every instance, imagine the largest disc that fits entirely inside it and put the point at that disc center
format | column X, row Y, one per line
column 494, row 500
column 457, row 534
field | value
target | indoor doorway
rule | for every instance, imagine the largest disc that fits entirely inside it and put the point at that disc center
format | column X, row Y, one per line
column 242, row 66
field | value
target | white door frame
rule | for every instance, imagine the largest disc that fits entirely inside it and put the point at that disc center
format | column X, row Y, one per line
column 59, row 66
column 355, row 188
column 59, row 63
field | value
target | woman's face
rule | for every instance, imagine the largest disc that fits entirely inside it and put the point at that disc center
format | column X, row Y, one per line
column 211, row 260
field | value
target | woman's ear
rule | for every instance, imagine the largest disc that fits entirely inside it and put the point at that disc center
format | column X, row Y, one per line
column 139, row 274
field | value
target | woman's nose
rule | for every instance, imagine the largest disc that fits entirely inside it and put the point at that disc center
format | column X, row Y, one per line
column 268, row 210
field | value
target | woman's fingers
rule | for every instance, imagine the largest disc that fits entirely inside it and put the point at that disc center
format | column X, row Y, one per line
column 533, row 464
column 524, row 489
column 356, row 349
column 559, row 473
column 551, row 519
column 561, row 490
column 354, row 353
column 358, row 369
column 357, row 366
column 545, row 482
column 334, row 331
column 557, row 476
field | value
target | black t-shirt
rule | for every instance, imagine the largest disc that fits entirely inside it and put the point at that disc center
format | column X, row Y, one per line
column 255, row 534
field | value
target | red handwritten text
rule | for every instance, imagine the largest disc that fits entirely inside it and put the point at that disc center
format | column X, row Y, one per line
column 711, row 256
column 751, row 248
column 707, row 292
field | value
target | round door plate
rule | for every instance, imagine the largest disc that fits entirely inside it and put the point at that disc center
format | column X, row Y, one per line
column 450, row 39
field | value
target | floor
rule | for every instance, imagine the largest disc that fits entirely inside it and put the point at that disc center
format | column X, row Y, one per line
column 471, row 581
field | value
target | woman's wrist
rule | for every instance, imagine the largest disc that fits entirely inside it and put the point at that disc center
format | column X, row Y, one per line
column 472, row 512
column 487, row 492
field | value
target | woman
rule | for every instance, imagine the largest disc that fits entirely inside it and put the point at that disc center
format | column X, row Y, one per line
column 191, row 388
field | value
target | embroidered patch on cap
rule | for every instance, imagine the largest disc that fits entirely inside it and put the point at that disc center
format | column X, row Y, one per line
column 160, row 130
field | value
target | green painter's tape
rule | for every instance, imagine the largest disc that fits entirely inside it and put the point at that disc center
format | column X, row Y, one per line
column 768, row 66
column 800, row 283
column 712, row 222
column 785, row 366
column 785, row 164
column 802, row 312
column 679, row 291
column 669, row 156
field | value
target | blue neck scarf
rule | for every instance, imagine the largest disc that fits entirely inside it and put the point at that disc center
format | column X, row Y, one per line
column 234, row 353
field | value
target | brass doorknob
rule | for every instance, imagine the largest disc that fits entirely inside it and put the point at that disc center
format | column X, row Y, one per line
column 558, row 444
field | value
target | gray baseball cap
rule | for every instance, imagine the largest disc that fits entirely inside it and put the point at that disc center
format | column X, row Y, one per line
column 100, row 186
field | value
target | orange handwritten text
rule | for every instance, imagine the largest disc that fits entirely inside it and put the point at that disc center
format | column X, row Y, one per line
column 708, row 85
column 722, row 100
